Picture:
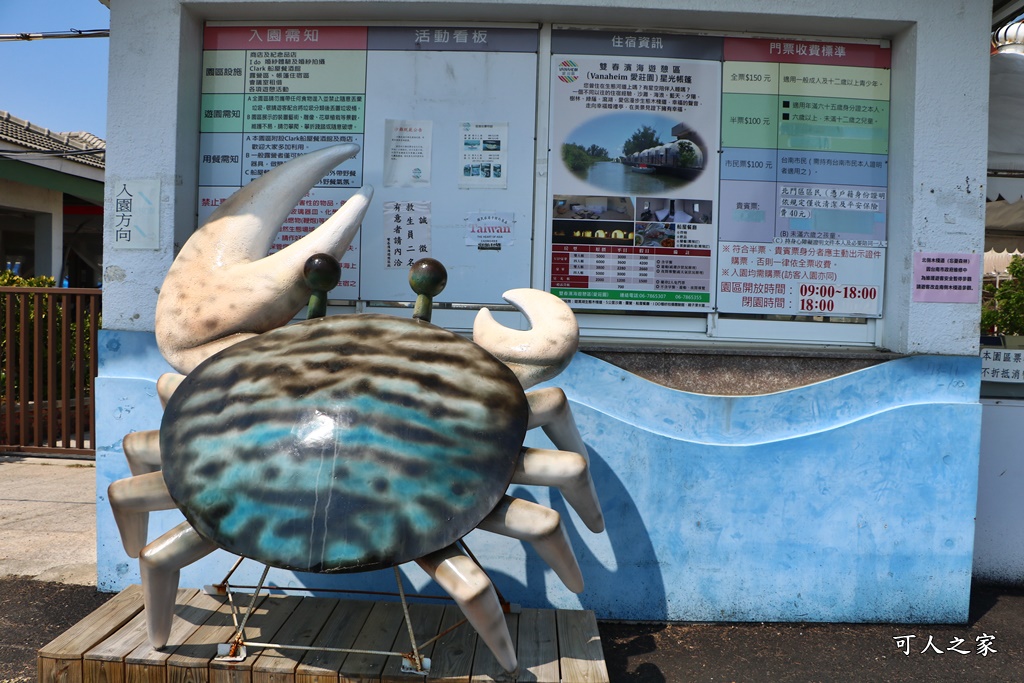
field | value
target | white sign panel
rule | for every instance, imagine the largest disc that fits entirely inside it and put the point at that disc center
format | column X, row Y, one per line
column 407, row 153
column 407, row 233
column 483, row 148
column 1002, row 365
column 490, row 230
column 137, row 215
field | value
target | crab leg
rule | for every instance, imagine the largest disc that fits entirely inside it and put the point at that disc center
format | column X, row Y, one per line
column 549, row 409
column 142, row 451
column 131, row 501
column 160, row 564
column 472, row 591
column 542, row 528
column 166, row 384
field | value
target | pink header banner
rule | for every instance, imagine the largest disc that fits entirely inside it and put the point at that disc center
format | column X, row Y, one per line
column 293, row 37
column 792, row 51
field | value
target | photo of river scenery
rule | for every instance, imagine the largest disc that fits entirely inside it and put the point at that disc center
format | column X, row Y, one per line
column 634, row 154
column 615, row 176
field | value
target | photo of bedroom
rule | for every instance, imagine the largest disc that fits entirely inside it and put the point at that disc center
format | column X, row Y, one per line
column 665, row 210
column 580, row 207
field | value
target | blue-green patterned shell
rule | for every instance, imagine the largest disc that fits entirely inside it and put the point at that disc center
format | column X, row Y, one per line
column 344, row 443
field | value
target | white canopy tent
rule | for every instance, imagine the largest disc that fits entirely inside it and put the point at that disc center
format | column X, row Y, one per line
column 1004, row 214
column 997, row 262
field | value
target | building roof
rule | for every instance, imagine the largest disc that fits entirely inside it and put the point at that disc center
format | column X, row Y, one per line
column 1004, row 11
column 79, row 146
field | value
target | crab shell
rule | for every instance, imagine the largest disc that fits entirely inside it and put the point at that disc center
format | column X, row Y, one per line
column 344, row 443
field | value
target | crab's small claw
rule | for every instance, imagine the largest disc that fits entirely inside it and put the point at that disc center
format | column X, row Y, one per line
column 537, row 354
column 223, row 288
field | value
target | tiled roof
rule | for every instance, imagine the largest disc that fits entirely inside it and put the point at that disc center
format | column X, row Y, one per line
column 32, row 137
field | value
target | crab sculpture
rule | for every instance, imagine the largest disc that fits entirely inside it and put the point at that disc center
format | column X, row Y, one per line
column 342, row 443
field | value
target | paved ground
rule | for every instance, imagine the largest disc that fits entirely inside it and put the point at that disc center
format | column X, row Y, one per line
column 47, row 583
column 48, row 519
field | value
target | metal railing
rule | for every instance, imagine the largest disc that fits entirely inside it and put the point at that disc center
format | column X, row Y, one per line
column 48, row 369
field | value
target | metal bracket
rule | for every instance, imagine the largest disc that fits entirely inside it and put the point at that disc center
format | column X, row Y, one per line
column 230, row 652
column 409, row 665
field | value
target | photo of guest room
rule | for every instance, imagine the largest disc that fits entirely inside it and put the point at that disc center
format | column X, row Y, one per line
column 580, row 207
column 674, row 210
column 611, row 233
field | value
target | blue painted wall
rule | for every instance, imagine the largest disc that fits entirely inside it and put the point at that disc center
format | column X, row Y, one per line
column 847, row 500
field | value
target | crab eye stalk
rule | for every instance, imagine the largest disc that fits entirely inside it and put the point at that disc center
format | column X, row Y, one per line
column 321, row 272
column 427, row 277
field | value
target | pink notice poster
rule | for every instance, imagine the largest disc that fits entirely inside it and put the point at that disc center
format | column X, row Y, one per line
column 947, row 278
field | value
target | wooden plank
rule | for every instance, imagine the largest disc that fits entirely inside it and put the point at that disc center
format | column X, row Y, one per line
column 582, row 658
column 262, row 627
column 54, row 670
column 96, row 671
column 190, row 661
column 60, row 660
column 551, row 646
column 122, row 643
column 538, row 647
column 109, row 617
column 106, row 660
column 146, row 665
column 485, row 667
column 426, row 622
column 340, row 631
column 452, row 659
column 378, row 633
column 301, row 628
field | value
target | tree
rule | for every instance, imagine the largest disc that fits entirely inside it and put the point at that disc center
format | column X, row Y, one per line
column 1002, row 308
column 597, row 152
column 576, row 157
column 645, row 137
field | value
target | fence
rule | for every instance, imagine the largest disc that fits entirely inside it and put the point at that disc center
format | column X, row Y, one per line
column 48, row 369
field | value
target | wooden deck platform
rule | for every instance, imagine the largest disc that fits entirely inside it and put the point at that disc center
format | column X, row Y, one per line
column 110, row 646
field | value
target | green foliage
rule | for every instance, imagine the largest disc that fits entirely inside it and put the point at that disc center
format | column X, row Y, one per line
column 687, row 156
column 645, row 137
column 576, row 157
column 598, row 152
column 9, row 279
column 1002, row 308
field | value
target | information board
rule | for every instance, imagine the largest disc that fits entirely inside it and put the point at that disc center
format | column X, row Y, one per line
column 729, row 174
column 685, row 174
column 634, row 170
column 476, row 108
column 271, row 93
column 805, row 139
column 444, row 116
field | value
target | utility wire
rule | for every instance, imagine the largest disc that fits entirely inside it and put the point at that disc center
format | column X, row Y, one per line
column 71, row 33
column 42, row 154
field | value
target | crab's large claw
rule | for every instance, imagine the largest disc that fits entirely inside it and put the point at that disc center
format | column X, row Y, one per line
column 223, row 288
column 537, row 354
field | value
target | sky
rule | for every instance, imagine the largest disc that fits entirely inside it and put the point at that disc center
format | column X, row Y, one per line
column 60, row 84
